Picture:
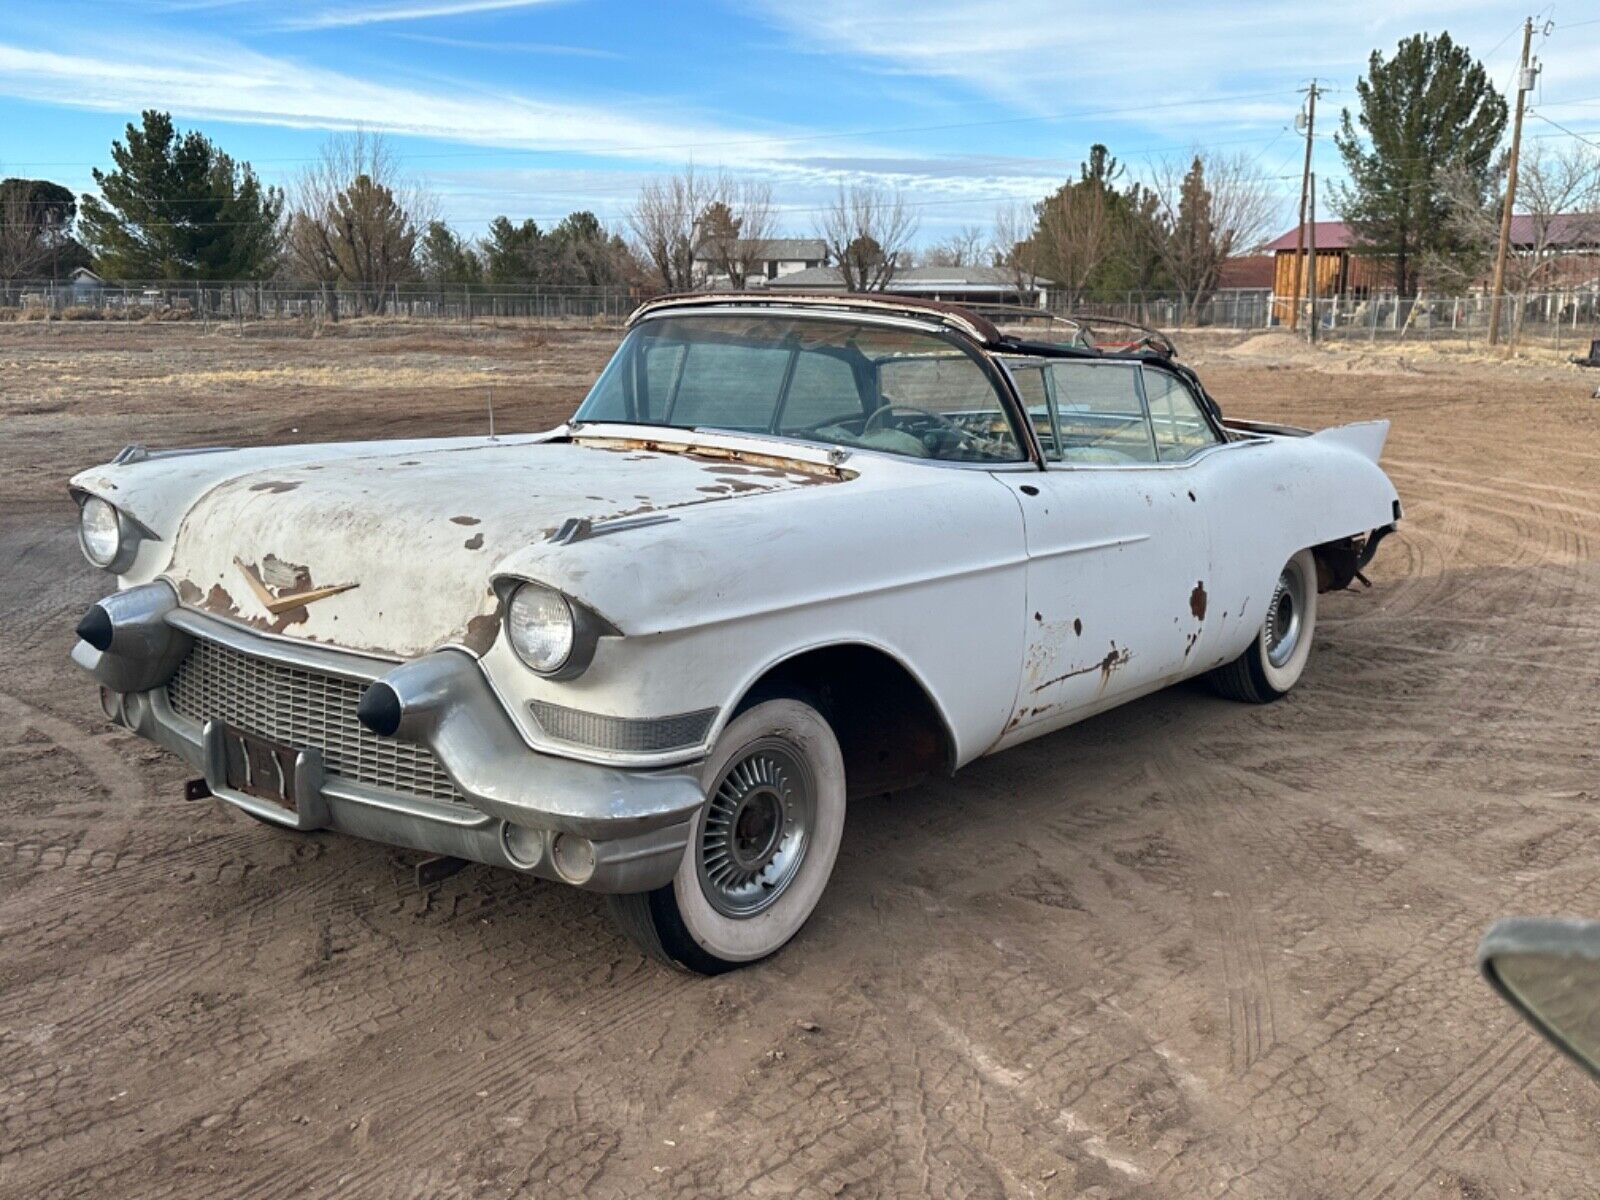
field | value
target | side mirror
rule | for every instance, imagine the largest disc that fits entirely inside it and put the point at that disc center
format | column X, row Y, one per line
column 1548, row 969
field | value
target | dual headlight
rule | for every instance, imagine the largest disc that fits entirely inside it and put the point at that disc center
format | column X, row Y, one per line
column 552, row 634
column 110, row 540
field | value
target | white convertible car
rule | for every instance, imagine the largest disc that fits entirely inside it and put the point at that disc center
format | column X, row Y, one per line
column 789, row 551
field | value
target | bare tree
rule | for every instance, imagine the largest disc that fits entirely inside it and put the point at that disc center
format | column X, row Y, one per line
column 868, row 230
column 664, row 221
column 1014, row 246
column 965, row 247
column 1558, row 190
column 734, row 229
column 1075, row 236
column 356, row 221
column 1211, row 209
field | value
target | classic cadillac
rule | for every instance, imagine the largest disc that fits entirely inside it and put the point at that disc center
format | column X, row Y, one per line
column 788, row 552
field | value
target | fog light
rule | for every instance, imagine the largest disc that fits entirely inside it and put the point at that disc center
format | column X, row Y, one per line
column 573, row 857
column 523, row 846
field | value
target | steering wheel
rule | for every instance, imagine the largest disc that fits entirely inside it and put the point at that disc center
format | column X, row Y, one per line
column 938, row 419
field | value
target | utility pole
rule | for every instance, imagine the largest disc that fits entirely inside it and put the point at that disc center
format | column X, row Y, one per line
column 1312, row 93
column 1311, row 280
column 1525, row 79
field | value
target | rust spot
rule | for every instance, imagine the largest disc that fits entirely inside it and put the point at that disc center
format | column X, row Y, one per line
column 288, row 617
column 1188, row 643
column 188, row 592
column 465, row 521
column 411, row 462
column 480, row 633
column 219, row 601
column 1107, row 666
column 1038, row 617
column 1077, row 626
column 276, row 486
column 475, row 542
column 1197, row 601
column 1191, row 496
column 715, row 491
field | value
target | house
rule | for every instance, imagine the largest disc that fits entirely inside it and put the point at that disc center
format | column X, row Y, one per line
column 84, row 284
column 773, row 259
column 961, row 285
column 1343, row 270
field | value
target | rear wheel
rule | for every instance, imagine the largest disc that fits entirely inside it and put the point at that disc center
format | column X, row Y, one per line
column 1277, row 657
column 760, row 850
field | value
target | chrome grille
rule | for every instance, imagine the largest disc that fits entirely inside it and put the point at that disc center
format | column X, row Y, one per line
column 306, row 709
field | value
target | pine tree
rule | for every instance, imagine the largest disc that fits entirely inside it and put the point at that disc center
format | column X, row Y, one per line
column 446, row 257
column 177, row 207
column 1429, row 114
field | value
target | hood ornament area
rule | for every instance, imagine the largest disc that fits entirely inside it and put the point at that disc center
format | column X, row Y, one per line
column 281, row 586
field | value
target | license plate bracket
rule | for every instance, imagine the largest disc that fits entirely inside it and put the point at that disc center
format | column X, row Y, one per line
column 275, row 781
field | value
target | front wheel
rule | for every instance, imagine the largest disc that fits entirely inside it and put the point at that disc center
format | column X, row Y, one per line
column 760, row 849
column 1277, row 657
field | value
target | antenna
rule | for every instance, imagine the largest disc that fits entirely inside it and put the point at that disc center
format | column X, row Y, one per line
column 492, row 438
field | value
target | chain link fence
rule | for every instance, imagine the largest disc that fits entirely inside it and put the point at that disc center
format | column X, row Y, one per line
column 1566, row 320
column 289, row 301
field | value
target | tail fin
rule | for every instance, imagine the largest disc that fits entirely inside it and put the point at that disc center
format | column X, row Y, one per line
column 1364, row 437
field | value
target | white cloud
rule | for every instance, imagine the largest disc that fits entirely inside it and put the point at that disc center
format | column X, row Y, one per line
column 346, row 15
column 1043, row 56
column 274, row 91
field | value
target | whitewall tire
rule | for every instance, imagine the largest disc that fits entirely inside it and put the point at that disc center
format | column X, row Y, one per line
column 761, row 849
column 1276, row 659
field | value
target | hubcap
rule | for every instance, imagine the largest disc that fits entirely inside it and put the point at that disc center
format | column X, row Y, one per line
column 756, row 829
column 1283, row 616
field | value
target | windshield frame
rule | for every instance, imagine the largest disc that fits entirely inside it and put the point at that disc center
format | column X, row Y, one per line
column 1011, row 406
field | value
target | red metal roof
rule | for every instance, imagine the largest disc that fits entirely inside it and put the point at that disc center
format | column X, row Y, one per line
column 1331, row 235
column 1566, row 229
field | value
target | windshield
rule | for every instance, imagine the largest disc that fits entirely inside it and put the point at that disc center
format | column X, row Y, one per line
column 842, row 382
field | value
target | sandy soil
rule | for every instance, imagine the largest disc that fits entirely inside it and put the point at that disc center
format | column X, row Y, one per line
column 1189, row 948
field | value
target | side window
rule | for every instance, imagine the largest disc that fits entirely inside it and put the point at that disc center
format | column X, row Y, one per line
column 1180, row 426
column 821, row 391
column 1101, row 415
column 729, row 385
column 1029, row 378
column 953, row 408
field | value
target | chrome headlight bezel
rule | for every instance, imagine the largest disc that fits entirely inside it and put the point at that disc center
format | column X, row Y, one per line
column 587, row 628
column 129, row 534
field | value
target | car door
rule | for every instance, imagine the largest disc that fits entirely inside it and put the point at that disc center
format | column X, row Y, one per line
column 1116, row 547
column 1240, row 493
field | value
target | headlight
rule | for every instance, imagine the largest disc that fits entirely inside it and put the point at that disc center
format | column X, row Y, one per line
column 100, row 531
column 541, row 628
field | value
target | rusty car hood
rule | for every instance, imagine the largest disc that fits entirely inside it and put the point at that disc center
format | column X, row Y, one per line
column 393, row 553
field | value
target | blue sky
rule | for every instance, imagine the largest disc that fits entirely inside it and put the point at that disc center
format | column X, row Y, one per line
column 537, row 107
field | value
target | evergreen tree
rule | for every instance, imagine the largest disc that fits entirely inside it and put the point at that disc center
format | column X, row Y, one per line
column 177, row 207
column 446, row 257
column 1429, row 115
column 514, row 253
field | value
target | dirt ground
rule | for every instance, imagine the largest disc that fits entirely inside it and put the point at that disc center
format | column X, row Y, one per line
column 1189, row 948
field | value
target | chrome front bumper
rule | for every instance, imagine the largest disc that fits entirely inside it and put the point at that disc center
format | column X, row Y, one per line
column 512, row 806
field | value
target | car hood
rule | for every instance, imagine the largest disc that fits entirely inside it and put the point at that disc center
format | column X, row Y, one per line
column 394, row 553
